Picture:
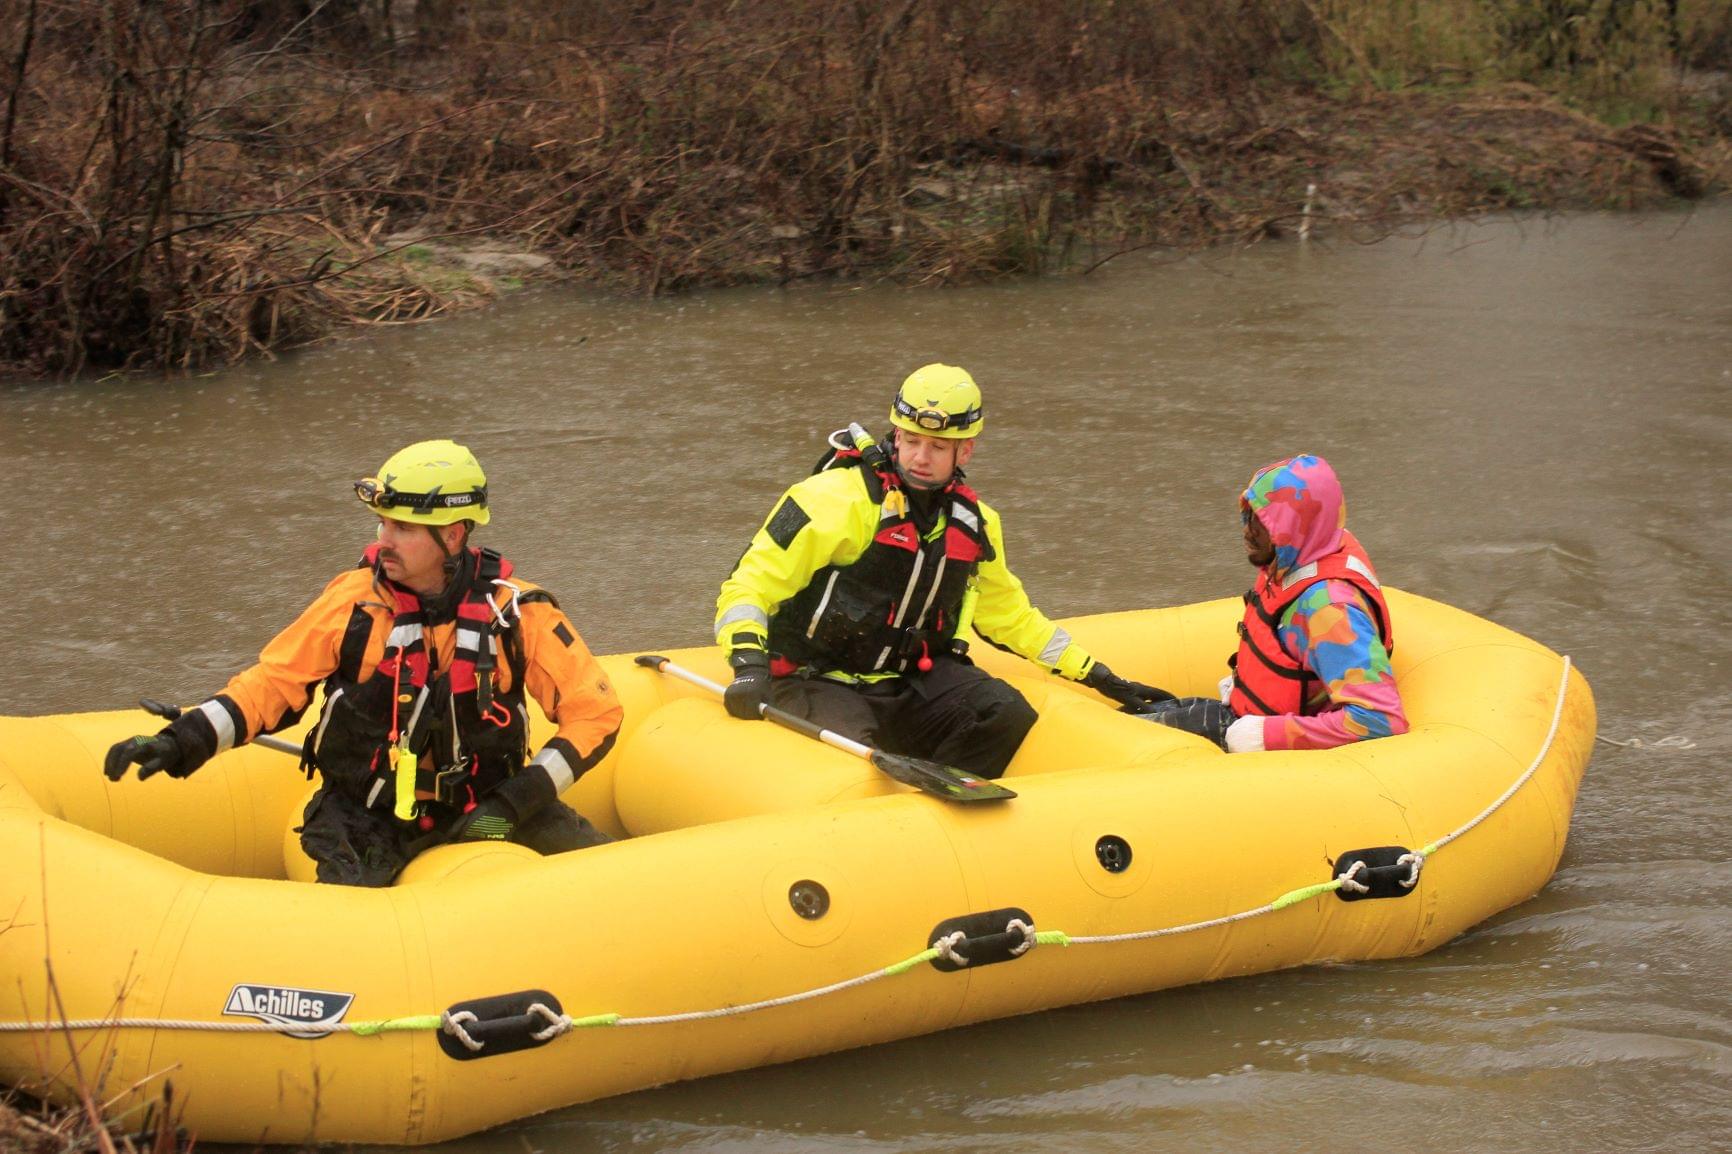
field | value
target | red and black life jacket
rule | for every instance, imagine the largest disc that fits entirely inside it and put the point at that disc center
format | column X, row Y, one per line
column 1267, row 680
column 468, row 734
column 898, row 601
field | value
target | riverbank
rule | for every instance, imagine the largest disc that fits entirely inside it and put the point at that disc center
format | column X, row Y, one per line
column 197, row 186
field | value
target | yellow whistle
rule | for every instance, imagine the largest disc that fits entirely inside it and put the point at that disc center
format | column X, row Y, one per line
column 403, row 765
column 896, row 502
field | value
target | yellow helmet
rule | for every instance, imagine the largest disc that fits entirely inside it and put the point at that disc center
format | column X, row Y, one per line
column 429, row 483
column 939, row 401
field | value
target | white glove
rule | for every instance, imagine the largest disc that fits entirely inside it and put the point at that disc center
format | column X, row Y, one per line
column 1225, row 686
column 1245, row 735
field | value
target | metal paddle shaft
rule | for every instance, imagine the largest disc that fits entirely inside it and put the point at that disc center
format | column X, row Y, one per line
column 943, row 781
column 170, row 712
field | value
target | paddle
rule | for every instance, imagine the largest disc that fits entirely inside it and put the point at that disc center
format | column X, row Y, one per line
column 170, row 712
column 927, row 776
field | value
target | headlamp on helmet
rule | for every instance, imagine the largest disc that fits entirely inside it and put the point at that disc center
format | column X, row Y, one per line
column 939, row 401
column 428, row 483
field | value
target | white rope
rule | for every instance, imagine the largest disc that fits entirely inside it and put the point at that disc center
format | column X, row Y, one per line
column 946, row 947
column 1144, row 935
column 1350, row 880
column 557, row 1024
column 1545, row 748
column 454, row 1024
column 1675, row 741
column 949, row 941
column 766, row 1004
column 175, row 1024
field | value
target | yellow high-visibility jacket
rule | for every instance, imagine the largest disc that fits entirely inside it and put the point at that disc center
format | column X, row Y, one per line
column 834, row 519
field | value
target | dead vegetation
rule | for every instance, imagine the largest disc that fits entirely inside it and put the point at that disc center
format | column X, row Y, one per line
column 185, row 182
column 27, row 1127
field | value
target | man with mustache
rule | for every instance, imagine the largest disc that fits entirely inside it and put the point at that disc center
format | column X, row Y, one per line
column 428, row 652
column 851, row 605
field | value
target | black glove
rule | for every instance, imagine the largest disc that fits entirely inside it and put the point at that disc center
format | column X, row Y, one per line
column 751, row 685
column 1132, row 695
column 158, row 754
column 497, row 816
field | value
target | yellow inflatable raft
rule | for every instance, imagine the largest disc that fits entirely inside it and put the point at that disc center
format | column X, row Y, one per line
column 775, row 898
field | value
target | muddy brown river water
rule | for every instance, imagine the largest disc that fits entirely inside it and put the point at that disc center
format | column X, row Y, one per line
column 1532, row 421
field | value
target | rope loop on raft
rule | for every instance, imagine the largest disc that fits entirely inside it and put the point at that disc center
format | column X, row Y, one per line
column 557, row 1024
column 1350, row 882
column 453, row 1024
column 946, row 947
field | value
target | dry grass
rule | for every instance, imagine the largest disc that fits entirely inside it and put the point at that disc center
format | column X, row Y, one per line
column 28, row 1127
column 193, row 181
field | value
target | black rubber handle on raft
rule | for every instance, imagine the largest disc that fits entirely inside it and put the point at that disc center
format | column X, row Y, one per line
column 503, row 1025
column 1381, row 873
column 989, row 941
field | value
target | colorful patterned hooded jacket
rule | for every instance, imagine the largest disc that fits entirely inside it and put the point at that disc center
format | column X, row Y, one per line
column 1331, row 627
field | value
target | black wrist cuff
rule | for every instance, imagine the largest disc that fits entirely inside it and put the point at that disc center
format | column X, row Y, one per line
column 527, row 791
column 195, row 739
column 743, row 658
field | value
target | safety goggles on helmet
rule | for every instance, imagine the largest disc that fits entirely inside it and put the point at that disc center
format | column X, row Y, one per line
column 380, row 496
column 936, row 420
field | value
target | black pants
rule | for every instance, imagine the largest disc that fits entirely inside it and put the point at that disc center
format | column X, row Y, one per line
column 1203, row 716
column 356, row 846
column 953, row 714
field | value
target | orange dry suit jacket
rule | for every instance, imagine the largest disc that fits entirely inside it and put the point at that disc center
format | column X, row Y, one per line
column 559, row 671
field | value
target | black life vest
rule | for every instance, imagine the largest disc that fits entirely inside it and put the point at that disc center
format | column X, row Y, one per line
column 467, row 733
column 899, row 601
column 1267, row 680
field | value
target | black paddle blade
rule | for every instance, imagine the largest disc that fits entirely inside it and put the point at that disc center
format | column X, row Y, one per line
column 939, row 780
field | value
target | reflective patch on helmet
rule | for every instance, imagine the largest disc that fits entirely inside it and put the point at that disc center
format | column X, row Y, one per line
column 787, row 523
